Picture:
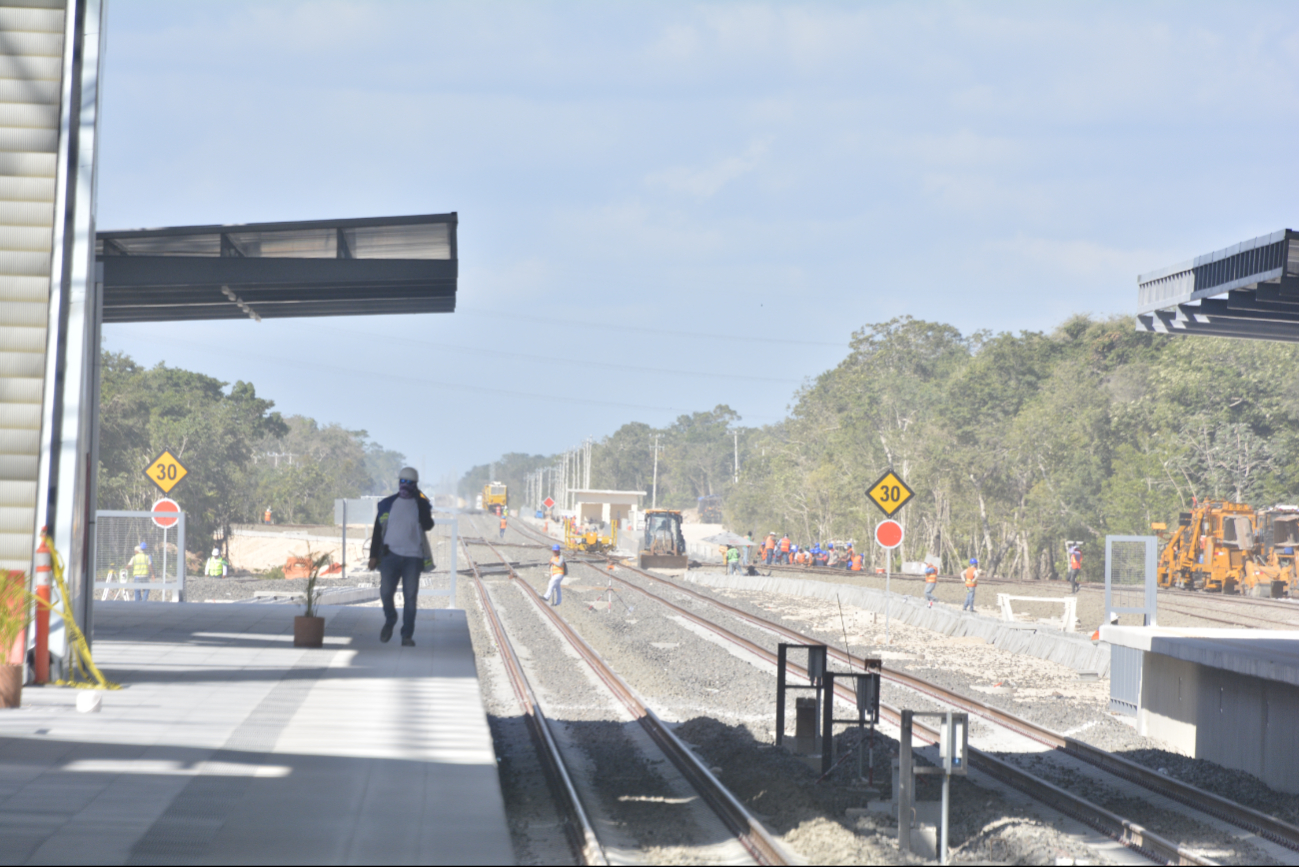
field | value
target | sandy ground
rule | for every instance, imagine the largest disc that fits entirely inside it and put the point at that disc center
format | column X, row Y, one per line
column 258, row 548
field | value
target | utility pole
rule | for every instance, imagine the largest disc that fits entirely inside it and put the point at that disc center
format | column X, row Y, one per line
column 654, row 502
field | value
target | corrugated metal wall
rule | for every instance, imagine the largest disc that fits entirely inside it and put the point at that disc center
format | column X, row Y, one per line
column 31, row 63
column 1125, row 679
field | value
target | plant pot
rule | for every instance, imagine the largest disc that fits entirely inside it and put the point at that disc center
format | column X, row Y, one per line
column 11, row 685
column 308, row 631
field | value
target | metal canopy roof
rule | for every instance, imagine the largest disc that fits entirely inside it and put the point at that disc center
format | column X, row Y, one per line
column 275, row 270
column 1249, row 290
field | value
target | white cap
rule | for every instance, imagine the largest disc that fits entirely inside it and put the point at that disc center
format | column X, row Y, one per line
column 216, row 552
column 409, row 473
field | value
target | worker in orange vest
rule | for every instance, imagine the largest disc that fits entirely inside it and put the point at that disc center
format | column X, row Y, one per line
column 971, row 576
column 1075, row 567
column 771, row 547
column 931, row 582
column 784, row 549
column 502, row 526
column 856, row 562
column 848, row 554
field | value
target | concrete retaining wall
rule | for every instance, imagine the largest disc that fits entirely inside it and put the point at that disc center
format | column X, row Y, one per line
column 1075, row 651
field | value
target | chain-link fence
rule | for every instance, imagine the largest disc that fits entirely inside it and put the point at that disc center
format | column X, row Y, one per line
column 138, row 560
column 1130, row 585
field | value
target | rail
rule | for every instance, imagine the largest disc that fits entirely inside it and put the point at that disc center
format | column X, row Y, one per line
column 1118, row 828
column 577, row 825
column 747, row 829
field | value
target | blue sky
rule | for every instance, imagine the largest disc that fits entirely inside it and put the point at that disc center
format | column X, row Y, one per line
column 667, row 206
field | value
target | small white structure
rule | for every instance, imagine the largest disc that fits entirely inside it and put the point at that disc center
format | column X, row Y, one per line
column 605, row 507
column 1067, row 620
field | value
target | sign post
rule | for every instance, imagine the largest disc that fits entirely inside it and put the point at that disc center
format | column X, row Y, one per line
column 889, row 494
column 888, row 535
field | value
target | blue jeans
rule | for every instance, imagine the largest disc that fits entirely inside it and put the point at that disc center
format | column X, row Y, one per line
column 930, row 587
column 969, row 600
column 391, row 567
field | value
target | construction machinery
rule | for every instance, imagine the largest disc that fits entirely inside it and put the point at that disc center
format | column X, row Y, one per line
column 589, row 538
column 1272, row 570
column 494, row 497
column 664, row 546
column 1213, row 549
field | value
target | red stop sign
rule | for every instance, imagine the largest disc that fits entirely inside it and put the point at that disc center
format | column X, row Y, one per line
column 888, row 534
column 166, row 513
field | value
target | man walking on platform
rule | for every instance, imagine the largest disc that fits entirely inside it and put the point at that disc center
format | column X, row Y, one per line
column 558, row 570
column 971, row 576
column 399, row 550
column 1075, row 567
column 931, row 583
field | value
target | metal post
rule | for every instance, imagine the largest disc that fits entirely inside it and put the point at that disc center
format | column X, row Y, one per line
column 888, row 596
column 164, row 563
column 781, row 652
column 906, row 783
column 180, row 566
column 345, row 538
column 827, row 725
column 947, row 733
column 654, row 501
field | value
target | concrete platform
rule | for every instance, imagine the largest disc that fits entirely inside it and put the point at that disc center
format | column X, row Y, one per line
column 1226, row 695
column 228, row 745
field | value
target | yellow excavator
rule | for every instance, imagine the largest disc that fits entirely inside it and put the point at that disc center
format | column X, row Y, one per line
column 1273, row 566
column 664, row 546
column 1211, row 549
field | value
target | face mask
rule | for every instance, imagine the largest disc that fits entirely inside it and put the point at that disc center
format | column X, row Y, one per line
column 406, row 490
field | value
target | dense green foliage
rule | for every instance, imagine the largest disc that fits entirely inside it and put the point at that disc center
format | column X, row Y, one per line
column 242, row 457
column 1013, row 443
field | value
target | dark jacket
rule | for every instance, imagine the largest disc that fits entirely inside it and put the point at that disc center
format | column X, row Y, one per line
column 377, row 547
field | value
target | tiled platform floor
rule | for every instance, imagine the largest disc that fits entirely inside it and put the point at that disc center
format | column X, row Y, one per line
column 228, row 745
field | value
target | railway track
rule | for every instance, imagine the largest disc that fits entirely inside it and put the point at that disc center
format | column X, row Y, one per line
column 1212, row 608
column 750, row 833
column 1123, row 830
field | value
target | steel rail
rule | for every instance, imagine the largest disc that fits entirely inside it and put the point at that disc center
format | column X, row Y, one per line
column 1229, row 811
column 577, row 826
column 739, row 821
column 1126, row 832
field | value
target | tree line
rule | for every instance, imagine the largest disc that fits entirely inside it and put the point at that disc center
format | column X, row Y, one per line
column 242, row 456
column 1013, row 443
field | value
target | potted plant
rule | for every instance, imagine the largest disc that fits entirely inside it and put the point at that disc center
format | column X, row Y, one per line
column 15, row 616
column 309, row 627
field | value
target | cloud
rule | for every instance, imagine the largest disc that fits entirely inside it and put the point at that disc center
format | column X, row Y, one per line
column 705, row 182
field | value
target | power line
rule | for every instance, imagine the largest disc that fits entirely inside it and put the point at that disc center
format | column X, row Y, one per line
column 547, row 359
column 571, row 323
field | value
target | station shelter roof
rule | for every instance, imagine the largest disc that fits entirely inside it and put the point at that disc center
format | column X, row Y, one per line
column 353, row 267
column 1247, row 290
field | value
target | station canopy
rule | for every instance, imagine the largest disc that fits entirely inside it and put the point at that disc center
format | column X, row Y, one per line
column 1250, row 290
column 275, row 270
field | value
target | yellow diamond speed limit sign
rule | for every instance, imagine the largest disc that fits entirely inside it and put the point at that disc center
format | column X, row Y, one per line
column 166, row 471
column 890, row 493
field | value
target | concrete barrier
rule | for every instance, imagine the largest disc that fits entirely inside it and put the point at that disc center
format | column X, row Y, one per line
column 1070, row 650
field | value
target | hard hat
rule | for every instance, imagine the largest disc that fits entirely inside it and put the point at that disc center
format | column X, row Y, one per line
column 974, row 561
column 143, row 546
column 216, row 552
column 409, row 474
column 555, row 548
column 831, row 546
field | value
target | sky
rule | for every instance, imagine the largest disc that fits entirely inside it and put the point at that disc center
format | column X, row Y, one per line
column 668, row 206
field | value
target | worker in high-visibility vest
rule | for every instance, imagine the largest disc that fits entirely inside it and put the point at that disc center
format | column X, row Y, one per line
column 141, row 570
column 770, row 546
column 848, row 554
column 856, row 562
column 558, row 569
column 971, row 576
column 216, row 565
column 502, row 526
column 1075, row 567
column 784, row 549
column 931, row 583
